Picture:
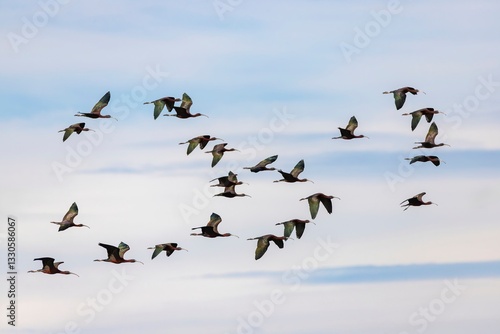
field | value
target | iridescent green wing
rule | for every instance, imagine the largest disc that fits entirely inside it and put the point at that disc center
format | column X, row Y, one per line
column 186, row 102
column 192, row 145
column 267, row 161
column 72, row 213
column 415, row 119
column 399, row 98
column 289, row 226
column 313, row 206
column 215, row 220
column 122, row 249
column 262, row 246
column 158, row 250
column 299, row 168
column 432, row 133
column 101, row 104
column 159, row 105
column 352, row 125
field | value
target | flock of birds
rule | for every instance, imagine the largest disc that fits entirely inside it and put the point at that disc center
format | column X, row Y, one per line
column 115, row 254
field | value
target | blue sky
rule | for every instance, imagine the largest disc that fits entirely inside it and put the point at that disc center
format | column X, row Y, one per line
column 274, row 78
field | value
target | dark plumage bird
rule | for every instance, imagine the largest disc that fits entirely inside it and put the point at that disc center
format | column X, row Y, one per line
column 298, row 224
column 77, row 127
column 429, row 138
column 348, row 132
column 226, row 181
column 230, row 192
column 96, row 111
column 200, row 140
column 210, row 230
column 424, row 158
column 263, row 243
column 159, row 104
column 50, row 267
column 169, row 248
column 400, row 95
column 218, row 152
column 115, row 254
column 417, row 115
column 67, row 220
column 261, row 166
column 415, row 201
column 314, row 201
column 293, row 176
column 184, row 110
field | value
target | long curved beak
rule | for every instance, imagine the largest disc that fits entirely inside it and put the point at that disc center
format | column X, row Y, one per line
column 74, row 274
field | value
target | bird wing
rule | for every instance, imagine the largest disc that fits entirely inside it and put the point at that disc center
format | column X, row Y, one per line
column 299, row 229
column 432, row 133
column 327, row 203
column 123, row 248
column 419, row 196
column 169, row 102
column 299, row 168
column 170, row 248
column 399, row 98
column 435, row 160
column 68, row 132
column 429, row 114
column 186, row 102
column 231, row 177
column 72, row 213
column 278, row 242
column 352, row 125
column 46, row 261
column 203, row 140
column 217, row 155
column 214, row 221
column 267, row 161
column 78, row 127
column 159, row 105
column 192, row 145
column 289, row 225
column 415, row 119
column 158, row 250
column 101, row 104
column 313, row 206
column 112, row 250
column 417, row 158
column 262, row 246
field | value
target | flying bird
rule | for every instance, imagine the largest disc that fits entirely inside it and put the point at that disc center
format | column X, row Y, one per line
column 261, row 166
column 77, row 127
column 218, row 152
column 400, row 95
column 298, row 224
column 293, row 176
column 415, row 201
column 200, row 140
column 348, row 132
column 263, row 243
column 211, row 229
column 169, row 248
column 115, row 254
column 424, row 158
column 184, row 110
column 96, row 111
column 50, row 267
column 314, row 201
column 159, row 104
column 230, row 192
column 67, row 220
column 417, row 115
column 429, row 138
column 226, row 181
